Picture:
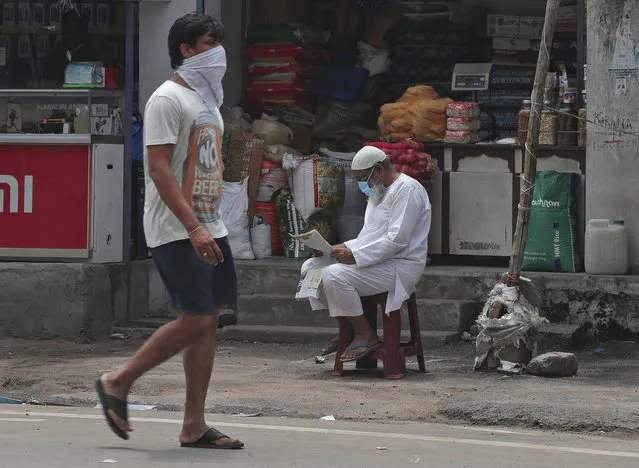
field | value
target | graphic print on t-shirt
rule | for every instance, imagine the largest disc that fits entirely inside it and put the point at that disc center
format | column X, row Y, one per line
column 203, row 169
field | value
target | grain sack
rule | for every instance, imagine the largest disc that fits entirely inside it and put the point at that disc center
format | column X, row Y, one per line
column 275, row 153
column 261, row 238
column 354, row 199
column 292, row 223
column 272, row 179
column 275, row 133
column 316, row 184
column 552, row 235
column 234, row 211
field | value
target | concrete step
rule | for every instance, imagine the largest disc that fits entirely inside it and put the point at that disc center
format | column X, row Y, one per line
column 144, row 328
column 281, row 276
column 449, row 315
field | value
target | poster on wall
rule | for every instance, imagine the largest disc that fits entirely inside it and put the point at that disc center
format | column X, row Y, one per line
column 14, row 117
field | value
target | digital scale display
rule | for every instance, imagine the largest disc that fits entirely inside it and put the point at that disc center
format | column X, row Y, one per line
column 471, row 82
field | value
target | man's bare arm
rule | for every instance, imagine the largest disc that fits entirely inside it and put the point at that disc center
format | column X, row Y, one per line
column 159, row 160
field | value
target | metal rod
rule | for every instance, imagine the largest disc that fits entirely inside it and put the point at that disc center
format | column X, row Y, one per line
column 128, row 131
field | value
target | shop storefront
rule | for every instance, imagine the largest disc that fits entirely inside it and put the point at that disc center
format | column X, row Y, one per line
column 336, row 73
column 67, row 85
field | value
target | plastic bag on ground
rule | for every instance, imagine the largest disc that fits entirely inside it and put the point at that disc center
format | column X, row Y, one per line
column 507, row 320
column 234, row 211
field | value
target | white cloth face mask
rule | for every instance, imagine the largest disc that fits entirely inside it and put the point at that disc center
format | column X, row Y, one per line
column 204, row 73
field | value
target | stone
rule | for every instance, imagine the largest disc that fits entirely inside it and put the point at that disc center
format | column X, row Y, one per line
column 553, row 364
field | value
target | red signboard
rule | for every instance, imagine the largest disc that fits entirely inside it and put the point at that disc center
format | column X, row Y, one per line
column 44, row 197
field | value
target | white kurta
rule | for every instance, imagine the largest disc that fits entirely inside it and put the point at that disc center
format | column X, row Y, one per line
column 390, row 253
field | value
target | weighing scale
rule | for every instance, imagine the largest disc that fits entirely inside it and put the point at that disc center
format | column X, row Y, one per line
column 473, row 77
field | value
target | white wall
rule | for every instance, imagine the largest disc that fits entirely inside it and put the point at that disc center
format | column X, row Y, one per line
column 156, row 19
column 612, row 157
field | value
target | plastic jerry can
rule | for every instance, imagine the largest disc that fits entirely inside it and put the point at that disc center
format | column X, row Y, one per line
column 606, row 249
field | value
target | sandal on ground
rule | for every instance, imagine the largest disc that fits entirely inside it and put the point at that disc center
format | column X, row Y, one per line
column 368, row 350
column 119, row 407
column 209, row 439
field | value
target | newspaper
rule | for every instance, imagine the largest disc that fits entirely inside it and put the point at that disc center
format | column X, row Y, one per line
column 309, row 285
column 315, row 241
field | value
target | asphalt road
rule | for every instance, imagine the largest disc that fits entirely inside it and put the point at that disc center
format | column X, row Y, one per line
column 63, row 437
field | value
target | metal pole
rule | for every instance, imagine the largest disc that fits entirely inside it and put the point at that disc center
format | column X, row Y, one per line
column 128, row 131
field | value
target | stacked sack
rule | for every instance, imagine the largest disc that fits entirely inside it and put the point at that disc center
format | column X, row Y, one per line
column 419, row 114
column 273, row 178
column 409, row 158
column 282, row 61
column 463, row 122
column 350, row 217
column 316, row 194
column 425, row 52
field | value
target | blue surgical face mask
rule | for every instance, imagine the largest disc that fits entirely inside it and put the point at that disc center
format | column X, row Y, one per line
column 365, row 188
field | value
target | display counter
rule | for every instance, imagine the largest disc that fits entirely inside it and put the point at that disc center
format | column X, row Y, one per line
column 476, row 193
column 61, row 176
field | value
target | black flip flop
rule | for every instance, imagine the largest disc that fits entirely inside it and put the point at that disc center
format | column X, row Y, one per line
column 119, row 407
column 369, row 349
column 207, row 441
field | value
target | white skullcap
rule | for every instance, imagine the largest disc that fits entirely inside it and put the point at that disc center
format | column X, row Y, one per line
column 367, row 157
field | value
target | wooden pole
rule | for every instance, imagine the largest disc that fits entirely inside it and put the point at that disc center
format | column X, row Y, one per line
column 530, row 161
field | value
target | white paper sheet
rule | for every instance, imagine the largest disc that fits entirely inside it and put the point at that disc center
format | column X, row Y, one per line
column 315, row 241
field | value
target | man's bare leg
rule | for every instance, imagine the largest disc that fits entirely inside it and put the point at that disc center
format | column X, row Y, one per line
column 364, row 335
column 198, row 365
column 163, row 344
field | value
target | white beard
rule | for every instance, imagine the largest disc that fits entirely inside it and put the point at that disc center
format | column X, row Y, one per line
column 379, row 191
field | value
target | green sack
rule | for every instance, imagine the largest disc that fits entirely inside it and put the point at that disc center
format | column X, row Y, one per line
column 552, row 234
column 292, row 223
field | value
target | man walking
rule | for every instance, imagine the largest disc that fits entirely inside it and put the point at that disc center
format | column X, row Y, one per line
column 184, row 231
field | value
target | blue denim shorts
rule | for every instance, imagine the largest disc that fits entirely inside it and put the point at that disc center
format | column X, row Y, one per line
column 195, row 286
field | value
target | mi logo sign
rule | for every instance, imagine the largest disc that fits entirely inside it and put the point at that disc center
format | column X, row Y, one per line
column 9, row 186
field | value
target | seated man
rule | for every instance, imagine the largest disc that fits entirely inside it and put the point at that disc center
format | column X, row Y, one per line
column 389, row 255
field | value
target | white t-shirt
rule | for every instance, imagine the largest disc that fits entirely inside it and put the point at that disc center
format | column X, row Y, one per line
column 179, row 116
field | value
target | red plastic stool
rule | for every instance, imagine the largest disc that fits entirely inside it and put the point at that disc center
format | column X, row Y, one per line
column 393, row 352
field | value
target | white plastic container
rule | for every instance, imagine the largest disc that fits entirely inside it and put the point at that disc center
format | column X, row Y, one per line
column 606, row 249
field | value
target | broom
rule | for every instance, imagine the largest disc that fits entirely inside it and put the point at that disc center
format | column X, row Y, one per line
column 510, row 316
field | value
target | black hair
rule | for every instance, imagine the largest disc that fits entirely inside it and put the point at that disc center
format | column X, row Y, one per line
column 188, row 29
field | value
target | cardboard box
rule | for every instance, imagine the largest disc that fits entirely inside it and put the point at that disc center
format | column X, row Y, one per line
column 279, row 11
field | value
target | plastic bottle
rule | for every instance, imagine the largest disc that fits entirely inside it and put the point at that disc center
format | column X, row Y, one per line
column 606, row 249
